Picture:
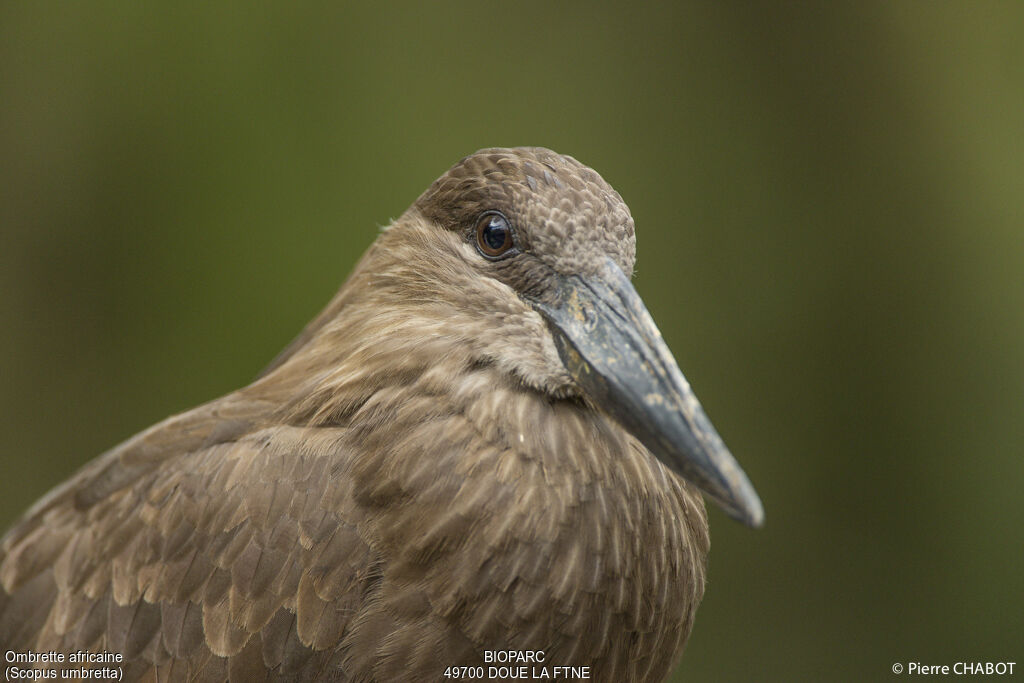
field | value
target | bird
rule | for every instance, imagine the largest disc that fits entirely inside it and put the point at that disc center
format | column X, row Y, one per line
column 481, row 451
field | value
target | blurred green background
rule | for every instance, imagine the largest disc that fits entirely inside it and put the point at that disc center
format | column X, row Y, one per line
column 828, row 200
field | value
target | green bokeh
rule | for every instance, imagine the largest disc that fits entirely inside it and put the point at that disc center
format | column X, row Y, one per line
column 829, row 209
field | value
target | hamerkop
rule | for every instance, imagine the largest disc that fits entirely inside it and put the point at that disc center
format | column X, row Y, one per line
column 482, row 445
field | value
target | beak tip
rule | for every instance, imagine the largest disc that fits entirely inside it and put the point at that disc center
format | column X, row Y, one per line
column 735, row 495
column 748, row 509
column 754, row 517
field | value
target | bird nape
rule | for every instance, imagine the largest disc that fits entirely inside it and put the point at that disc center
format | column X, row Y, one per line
column 481, row 453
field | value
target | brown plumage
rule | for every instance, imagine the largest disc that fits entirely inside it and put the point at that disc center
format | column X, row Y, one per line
column 464, row 452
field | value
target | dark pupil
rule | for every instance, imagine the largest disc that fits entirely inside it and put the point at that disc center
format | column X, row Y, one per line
column 496, row 233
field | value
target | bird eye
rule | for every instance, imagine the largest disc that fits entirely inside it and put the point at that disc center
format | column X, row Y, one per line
column 493, row 235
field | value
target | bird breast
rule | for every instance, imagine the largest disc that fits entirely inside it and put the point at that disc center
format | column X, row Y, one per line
column 513, row 516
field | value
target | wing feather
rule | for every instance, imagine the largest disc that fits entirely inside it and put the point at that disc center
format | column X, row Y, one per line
column 227, row 542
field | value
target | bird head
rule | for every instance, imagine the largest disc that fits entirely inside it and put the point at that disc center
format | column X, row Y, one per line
column 521, row 258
